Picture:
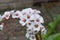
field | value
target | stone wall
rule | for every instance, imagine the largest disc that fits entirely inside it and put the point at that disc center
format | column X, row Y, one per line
column 4, row 4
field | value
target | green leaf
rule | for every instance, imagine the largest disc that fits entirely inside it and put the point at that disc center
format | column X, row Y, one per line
column 55, row 22
column 28, row 39
column 52, row 25
column 54, row 37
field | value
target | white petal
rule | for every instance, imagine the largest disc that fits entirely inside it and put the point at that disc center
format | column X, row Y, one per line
column 28, row 11
column 37, row 16
column 30, row 24
column 32, row 37
column 22, row 23
column 0, row 18
column 1, row 27
column 32, row 17
column 6, row 15
column 12, row 11
column 30, row 30
column 27, row 35
column 44, row 32
column 37, row 27
column 16, row 14
column 36, row 11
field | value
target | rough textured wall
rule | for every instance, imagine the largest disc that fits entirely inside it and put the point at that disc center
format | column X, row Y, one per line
column 4, row 4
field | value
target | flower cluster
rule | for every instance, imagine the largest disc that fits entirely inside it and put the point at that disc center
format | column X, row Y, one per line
column 29, row 17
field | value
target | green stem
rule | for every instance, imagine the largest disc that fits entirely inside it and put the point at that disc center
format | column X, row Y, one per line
column 38, row 36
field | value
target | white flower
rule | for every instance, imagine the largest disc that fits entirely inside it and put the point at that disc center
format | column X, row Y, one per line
column 28, row 11
column 12, row 11
column 35, row 22
column 0, row 18
column 43, row 30
column 27, row 35
column 23, row 16
column 23, row 21
column 32, row 17
column 32, row 37
column 16, row 14
column 6, row 15
column 37, row 18
column 30, row 24
column 36, row 28
column 26, row 14
column 36, row 11
column 30, row 31
column 1, row 27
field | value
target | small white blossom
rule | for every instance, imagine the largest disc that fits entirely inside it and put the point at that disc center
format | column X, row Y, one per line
column 36, row 27
column 27, row 35
column 0, row 18
column 23, row 21
column 1, row 27
column 6, row 15
column 36, row 11
column 43, row 30
column 12, row 12
column 32, row 37
column 28, row 11
column 38, row 18
column 16, row 14
column 24, row 18
column 30, row 24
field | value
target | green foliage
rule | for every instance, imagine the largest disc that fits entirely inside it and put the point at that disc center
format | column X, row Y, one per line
column 52, row 25
column 55, row 22
column 54, row 37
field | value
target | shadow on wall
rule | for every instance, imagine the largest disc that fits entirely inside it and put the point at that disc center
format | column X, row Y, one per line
column 38, row 2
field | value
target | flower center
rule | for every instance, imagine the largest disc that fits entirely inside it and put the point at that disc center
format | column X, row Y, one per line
column 36, row 25
column 28, row 17
column 37, row 20
column 7, row 15
column 29, row 23
column 35, row 31
column 24, row 13
column 32, row 37
column 16, row 14
column 24, row 20
column 32, row 20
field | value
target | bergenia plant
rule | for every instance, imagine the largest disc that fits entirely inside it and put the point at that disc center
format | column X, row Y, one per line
column 29, row 17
